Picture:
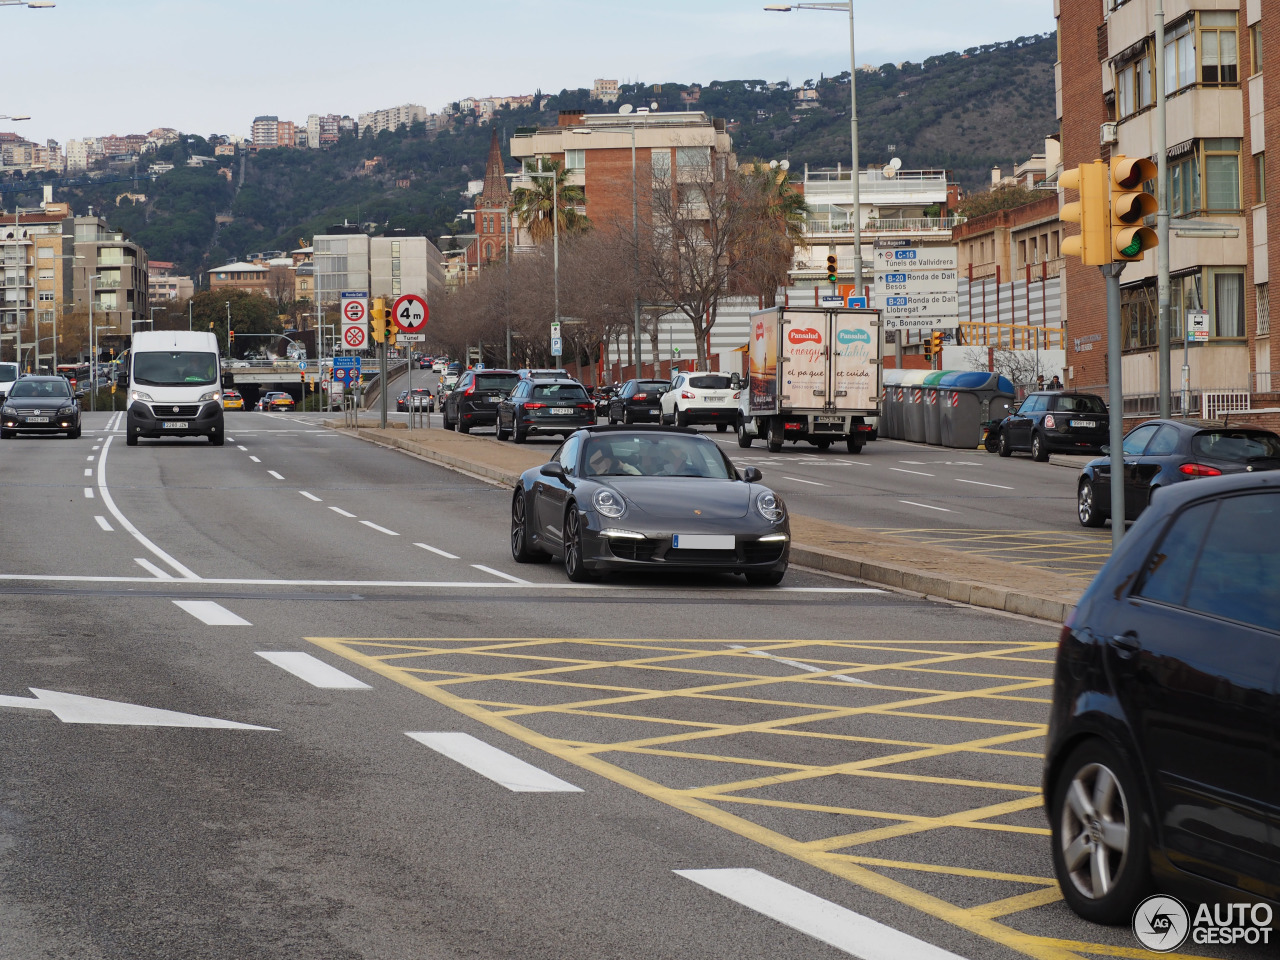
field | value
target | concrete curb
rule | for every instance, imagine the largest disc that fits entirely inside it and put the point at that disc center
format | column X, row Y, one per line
column 973, row 593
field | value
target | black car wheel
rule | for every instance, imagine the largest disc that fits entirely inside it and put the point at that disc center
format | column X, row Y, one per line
column 626, row 415
column 521, row 552
column 1087, row 506
column 744, row 438
column 765, row 578
column 721, row 427
column 1039, row 448
column 217, row 439
column 130, row 439
column 1002, row 445
column 73, row 434
column 573, row 566
column 518, row 434
column 464, row 427
column 682, row 418
column 1099, row 835
column 501, row 434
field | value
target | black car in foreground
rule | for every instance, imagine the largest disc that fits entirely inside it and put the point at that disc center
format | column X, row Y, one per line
column 1161, row 760
column 474, row 399
column 40, row 405
column 544, row 406
column 649, row 498
column 638, row 401
column 1054, row 420
column 1160, row 452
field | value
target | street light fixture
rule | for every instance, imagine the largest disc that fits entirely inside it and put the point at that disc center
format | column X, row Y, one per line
column 93, row 349
column 846, row 6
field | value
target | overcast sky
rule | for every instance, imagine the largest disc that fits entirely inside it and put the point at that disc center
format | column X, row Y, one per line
column 98, row 67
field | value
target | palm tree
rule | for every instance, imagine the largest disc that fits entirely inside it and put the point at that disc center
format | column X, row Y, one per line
column 780, row 210
column 533, row 205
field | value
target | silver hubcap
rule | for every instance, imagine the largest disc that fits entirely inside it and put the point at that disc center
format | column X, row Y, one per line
column 1095, row 831
column 1086, row 502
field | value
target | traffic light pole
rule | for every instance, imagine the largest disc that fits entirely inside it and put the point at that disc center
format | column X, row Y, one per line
column 382, row 380
column 1115, row 401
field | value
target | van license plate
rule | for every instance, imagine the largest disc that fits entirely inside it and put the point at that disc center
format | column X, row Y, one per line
column 175, row 425
column 703, row 541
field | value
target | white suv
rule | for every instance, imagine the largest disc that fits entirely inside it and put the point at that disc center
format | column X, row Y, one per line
column 701, row 397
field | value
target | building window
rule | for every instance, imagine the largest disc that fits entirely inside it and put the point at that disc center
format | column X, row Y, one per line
column 1218, row 58
column 1139, row 316
column 395, row 248
column 395, row 287
column 1228, row 301
column 1133, row 86
column 1264, row 310
column 46, row 295
column 1222, row 174
column 1184, row 185
column 1260, row 177
column 45, row 253
column 46, row 274
column 661, row 161
column 575, row 160
column 1179, row 57
column 1255, row 48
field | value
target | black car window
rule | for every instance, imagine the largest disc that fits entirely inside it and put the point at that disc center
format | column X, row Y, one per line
column 1238, row 573
column 628, row 389
column 1033, row 404
column 568, row 392
column 1077, row 404
column 653, row 386
column 463, row 381
column 1237, row 446
column 1138, row 438
column 501, row 382
column 568, row 455
column 1168, row 569
column 51, row 389
column 1164, row 443
column 711, row 382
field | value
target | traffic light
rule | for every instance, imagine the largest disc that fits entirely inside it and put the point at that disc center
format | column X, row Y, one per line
column 1091, row 211
column 231, row 337
column 378, row 320
column 1130, row 205
column 933, row 346
column 831, row 268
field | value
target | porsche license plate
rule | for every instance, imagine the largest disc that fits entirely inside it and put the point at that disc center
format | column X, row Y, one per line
column 1087, row 424
column 174, row 425
column 703, row 541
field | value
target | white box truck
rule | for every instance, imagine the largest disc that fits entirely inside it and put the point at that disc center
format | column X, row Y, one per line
column 815, row 376
column 175, row 386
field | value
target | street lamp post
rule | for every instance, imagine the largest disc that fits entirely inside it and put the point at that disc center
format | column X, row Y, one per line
column 17, row 242
column 93, row 349
column 853, row 123
column 555, row 233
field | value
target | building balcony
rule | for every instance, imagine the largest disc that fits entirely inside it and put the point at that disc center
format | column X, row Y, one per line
column 928, row 227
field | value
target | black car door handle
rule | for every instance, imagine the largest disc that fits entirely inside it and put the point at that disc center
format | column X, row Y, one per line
column 1126, row 644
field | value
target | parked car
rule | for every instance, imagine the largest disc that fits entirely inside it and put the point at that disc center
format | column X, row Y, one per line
column 544, row 406
column 1160, row 759
column 702, row 398
column 40, row 405
column 232, row 400
column 648, row 498
column 473, row 402
column 1161, row 452
column 638, row 401
column 1049, row 420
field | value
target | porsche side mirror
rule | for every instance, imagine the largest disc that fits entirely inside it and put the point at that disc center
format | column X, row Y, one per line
column 1106, row 449
column 752, row 475
column 553, row 469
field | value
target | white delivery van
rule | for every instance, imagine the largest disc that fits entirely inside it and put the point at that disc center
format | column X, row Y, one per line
column 8, row 374
column 175, row 386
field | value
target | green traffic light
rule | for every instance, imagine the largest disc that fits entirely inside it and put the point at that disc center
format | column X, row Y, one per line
column 1133, row 249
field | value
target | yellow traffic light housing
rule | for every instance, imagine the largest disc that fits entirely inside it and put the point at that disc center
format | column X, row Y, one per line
column 384, row 311
column 1092, row 211
column 832, row 272
column 1130, row 205
column 378, row 320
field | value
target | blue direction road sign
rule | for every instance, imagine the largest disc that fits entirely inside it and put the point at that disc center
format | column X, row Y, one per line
column 346, row 363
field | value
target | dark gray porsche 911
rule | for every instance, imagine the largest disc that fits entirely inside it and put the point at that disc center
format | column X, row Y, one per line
column 648, row 498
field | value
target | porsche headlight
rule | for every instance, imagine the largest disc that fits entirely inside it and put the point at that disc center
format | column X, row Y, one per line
column 139, row 395
column 211, row 395
column 769, row 507
column 609, row 504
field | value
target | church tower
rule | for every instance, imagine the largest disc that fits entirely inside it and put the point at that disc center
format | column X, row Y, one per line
column 492, row 209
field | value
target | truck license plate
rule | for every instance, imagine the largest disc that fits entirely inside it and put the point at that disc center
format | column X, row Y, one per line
column 174, row 425
column 703, row 541
column 836, row 420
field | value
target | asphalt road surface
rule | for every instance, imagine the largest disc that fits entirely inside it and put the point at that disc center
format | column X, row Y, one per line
column 291, row 698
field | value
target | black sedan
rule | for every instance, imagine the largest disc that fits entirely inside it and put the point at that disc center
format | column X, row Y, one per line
column 1160, row 760
column 419, row 398
column 544, row 406
column 40, row 405
column 649, row 498
column 1051, row 420
column 1161, row 452
column 638, row 401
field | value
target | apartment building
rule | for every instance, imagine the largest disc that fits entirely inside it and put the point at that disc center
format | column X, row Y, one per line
column 392, row 118
column 271, row 131
column 163, row 284
column 347, row 259
column 245, row 277
column 35, row 261
column 1212, row 71
column 606, row 90
column 323, row 131
column 111, row 270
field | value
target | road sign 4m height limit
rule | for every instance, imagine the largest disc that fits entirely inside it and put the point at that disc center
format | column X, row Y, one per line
column 410, row 313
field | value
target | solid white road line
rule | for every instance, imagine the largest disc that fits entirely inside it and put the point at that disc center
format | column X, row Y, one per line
column 807, row 667
column 102, row 522
column 498, row 573
column 274, row 474
column 373, row 526
column 311, row 496
column 812, row 483
column 215, row 615
column 124, row 521
column 823, row 920
column 151, row 568
column 979, row 483
column 488, row 761
column 342, row 512
column 916, row 472
column 912, row 503
column 314, row 671
column 437, row 550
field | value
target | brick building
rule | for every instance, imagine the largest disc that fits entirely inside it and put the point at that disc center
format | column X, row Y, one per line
column 493, row 207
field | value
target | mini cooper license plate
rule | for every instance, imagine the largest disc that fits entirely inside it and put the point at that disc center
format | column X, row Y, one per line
column 174, row 425
column 1089, row 424
column 703, row 541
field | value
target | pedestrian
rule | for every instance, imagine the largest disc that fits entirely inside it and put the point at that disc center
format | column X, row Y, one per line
column 1055, row 383
column 1040, row 381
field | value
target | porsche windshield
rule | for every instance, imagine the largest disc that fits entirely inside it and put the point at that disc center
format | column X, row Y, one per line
column 656, row 455
column 175, row 368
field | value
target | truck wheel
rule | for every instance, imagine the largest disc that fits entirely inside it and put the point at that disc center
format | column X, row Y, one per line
column 854, row 445
column 775, row 435
column 721, row 427
column 744, row 438
column 822, row 444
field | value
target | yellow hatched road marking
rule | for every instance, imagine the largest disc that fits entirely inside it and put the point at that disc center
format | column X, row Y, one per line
column 1024, row 901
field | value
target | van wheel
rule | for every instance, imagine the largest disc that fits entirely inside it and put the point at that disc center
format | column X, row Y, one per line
column 822, row 444
column 721, row 427
column 854, row 445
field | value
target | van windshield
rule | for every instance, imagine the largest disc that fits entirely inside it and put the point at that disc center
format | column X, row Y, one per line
column 8, row 372
column 175, row 368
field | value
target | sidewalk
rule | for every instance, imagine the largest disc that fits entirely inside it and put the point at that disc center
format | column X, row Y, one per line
column 831, row 547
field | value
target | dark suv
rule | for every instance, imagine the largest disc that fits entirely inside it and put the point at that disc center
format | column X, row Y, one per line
column 1161, row 759
column 473, row 402
column 1055, row 420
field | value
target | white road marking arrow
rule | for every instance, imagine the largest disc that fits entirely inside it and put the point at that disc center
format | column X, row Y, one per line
column 72, row 708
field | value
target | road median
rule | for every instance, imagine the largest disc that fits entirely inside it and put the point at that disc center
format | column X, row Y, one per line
column 835, row 548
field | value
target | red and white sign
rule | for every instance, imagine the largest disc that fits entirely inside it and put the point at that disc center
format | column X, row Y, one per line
column 355, row 336
column 355, row 311
column 410, row 313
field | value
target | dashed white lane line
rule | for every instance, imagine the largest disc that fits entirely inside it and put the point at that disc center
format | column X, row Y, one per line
column 812, row 483
column 276, row 475
column 242, row 448
column 373, row 526
column 254, row 459
column 341, row 512
column 979, row 483
column 313, row 670
column 151, row 568
column 807, row 667
column 96, row 448
column 912, row 503
column 918, row 473
column 88, row 471
column 437, row 551
column 823, row 920
column 102, row 522
column 498, row 573
column 311, row 496
column 213, row 614
column 91, row 459
column 88, row 493
column 488, row 761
